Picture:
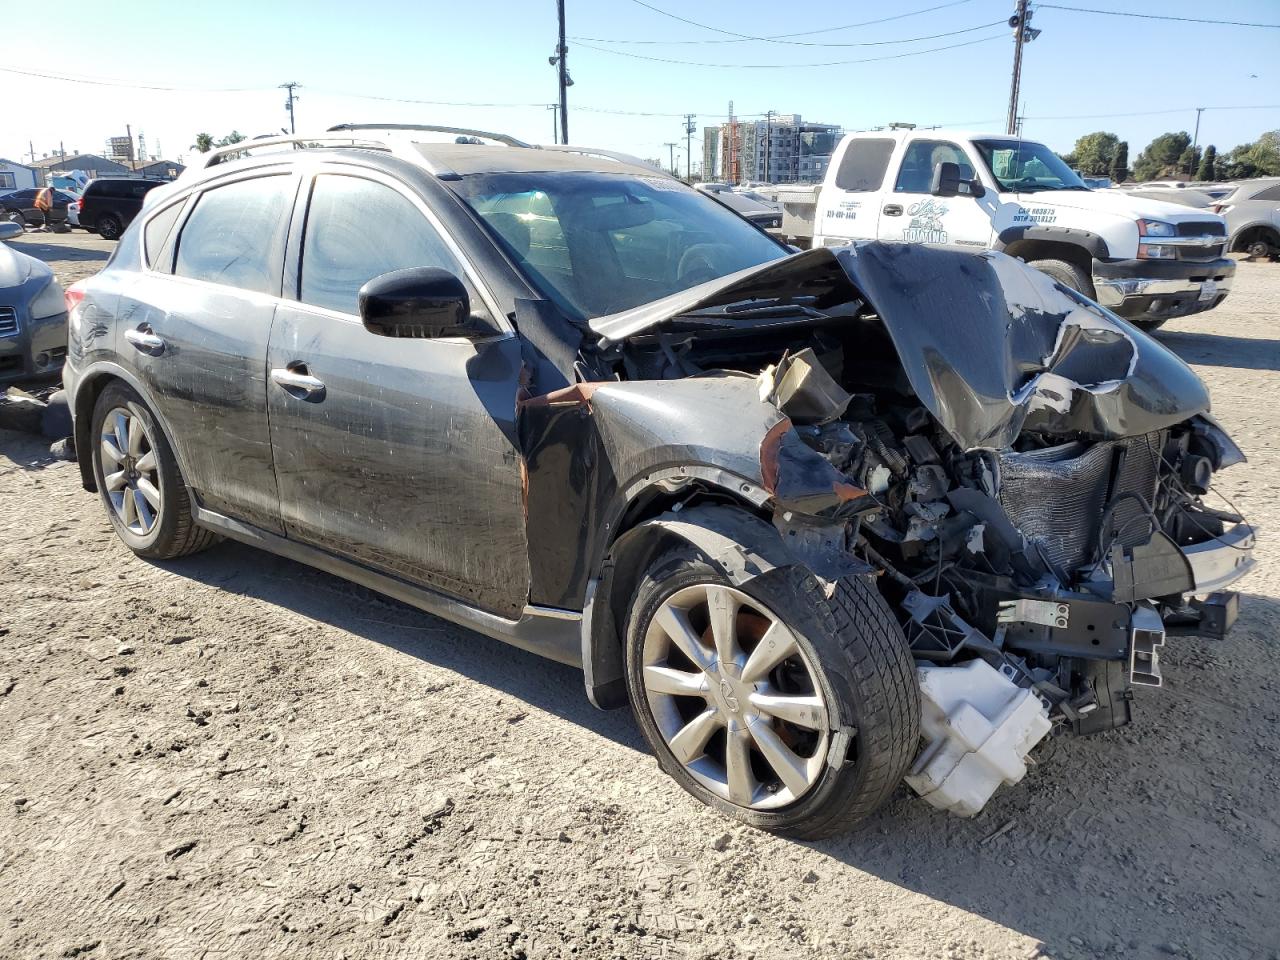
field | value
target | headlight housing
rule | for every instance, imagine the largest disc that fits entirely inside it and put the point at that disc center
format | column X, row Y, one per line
column 1156, row 228
column 49, row 302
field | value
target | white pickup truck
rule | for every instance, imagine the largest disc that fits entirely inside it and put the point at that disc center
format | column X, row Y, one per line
column 1144, row 259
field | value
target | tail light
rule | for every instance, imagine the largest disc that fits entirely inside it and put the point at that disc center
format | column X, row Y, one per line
column 73, row 295
column 1220, row 208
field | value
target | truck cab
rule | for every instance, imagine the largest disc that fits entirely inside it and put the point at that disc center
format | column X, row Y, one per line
column 1147, row 260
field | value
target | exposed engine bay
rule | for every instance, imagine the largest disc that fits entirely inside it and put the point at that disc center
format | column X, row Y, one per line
column 1027, row 477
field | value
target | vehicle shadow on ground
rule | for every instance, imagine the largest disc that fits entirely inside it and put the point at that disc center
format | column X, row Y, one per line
column 28, row 451
column 1218, row 350
column 51, row 251
column 1124, row 840
column 311, row 593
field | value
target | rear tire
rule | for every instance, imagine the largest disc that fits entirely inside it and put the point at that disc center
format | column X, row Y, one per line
column 110, row 227
column 1068, row 274
column 849, row 658
column 138, row 479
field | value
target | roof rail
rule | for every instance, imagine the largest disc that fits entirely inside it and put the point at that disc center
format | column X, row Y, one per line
column 431, row 128
column 223, row 153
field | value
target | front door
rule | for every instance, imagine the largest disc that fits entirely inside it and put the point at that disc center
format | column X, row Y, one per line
column 196, row 327
column 910, row 213
column 399, row 454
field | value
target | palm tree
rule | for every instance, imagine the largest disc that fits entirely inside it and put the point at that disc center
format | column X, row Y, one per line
column 204, row 142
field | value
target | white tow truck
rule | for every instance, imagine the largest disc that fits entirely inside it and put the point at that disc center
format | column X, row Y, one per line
column 1146, row 260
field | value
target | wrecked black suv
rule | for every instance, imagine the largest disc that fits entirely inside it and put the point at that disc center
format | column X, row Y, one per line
column 826, row 520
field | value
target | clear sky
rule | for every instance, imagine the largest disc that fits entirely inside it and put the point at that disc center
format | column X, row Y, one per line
column 226, row 58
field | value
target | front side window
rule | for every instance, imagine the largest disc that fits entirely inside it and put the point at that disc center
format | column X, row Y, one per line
column 920, row 159
column 1023, row 166
column 235, row 233
column 599, row 243
column 358, row 229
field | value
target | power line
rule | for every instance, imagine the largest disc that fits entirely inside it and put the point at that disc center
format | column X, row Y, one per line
column 805, row 43
column 110, row 82
column 1152, row 16
column 787, row 66
column 740, row 37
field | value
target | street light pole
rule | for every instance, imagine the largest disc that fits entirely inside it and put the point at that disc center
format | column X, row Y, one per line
column 671, row 157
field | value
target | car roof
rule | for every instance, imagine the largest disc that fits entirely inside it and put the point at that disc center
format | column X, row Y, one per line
column 464, row 159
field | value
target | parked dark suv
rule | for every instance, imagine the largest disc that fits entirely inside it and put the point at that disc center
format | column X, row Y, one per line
column 825, row 520
column 109, row 204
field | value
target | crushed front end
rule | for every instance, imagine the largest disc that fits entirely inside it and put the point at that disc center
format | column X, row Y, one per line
column 1028, row 476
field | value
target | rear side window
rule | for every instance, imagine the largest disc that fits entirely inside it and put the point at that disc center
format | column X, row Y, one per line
column 234, row 236
column 357, row 230
column 916, row 175
column 1270, row 193
column 157, row 232
column 863, row 166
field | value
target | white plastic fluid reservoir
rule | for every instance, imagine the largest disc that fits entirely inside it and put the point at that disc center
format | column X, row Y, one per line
column 979, row 727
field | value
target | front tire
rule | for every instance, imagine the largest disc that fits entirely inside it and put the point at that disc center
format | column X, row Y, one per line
column 138, row 479
column 776, row 705
column 1068, row 274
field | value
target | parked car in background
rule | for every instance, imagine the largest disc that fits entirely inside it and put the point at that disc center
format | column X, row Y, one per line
column 19, row 206
column 33, row 314
column 1252, row 212
column 109, row 204
column 73, row 213
column 763, row 214
column 802, row 511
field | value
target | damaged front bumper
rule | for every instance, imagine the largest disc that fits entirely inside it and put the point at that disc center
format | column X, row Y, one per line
column 1158, row 289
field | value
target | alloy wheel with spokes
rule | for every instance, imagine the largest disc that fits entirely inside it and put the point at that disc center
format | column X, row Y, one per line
column 734, row 697
column 130, row 471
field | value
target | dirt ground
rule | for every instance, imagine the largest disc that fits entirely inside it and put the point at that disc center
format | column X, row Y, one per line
column 238, row 756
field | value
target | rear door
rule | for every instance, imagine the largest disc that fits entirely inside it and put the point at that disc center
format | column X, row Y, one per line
column 851, row 206
column 196, row 326
column 399, row 453
column 912, row 214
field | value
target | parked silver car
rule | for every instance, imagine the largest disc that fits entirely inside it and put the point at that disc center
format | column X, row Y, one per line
column 1252, row 211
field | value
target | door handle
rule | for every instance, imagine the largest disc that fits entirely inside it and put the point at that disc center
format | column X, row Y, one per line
column 145, row 340
column 297, row 381
column 892, row 210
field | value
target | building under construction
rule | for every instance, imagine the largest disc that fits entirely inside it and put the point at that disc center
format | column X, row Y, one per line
column 782, row 148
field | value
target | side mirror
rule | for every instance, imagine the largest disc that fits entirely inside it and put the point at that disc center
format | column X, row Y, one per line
column 10, row 230
column 418, row 303
column 947, row 182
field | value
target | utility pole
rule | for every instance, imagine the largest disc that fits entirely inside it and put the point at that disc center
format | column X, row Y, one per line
column 688, row 146
column 671, row 157
column 562, row 58
column 289, row 103
column 768, row 141
column 555, row 121
column 1023, row 33
column 129, row 130
column 1196, row 139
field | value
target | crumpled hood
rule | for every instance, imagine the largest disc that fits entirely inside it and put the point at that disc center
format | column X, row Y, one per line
column 1116, row 202
column 17, row 268
column 990, row 346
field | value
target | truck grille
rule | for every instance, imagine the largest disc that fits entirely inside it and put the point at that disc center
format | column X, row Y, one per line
column 1200, row 228
column 8, row 321
column 1056, row 496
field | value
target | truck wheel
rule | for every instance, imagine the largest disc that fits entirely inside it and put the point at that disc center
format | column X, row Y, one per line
column 110, row 227
column 139, row 481
column 771, row 702
column 1067, row 274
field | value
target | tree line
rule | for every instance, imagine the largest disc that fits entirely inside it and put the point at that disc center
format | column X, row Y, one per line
column 1171, row 156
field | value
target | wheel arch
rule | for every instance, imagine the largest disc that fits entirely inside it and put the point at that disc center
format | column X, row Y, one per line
column 728, row 530
column 1030, row 249
column 89, row 387
column 1246, row 234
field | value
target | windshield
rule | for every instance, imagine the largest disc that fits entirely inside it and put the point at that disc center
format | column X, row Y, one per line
column 598, row 243
column 1026, row 167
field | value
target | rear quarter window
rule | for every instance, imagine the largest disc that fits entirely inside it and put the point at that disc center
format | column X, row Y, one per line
column 863, row 166
column 157, row 232
column 1268, row 193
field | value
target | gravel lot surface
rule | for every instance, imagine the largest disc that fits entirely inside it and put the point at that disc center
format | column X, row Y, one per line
column 238, row 756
